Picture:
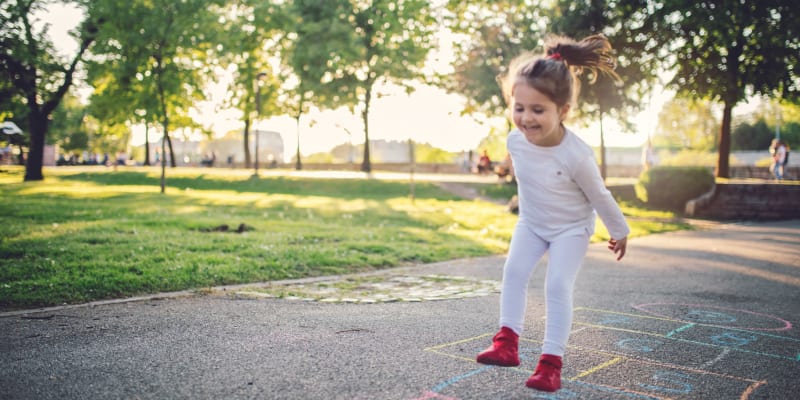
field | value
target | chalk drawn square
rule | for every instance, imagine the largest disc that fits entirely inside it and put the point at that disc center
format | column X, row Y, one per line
column 659, row 380
column 615, row 355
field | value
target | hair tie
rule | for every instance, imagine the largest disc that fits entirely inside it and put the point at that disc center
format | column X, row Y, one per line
column 555, row 56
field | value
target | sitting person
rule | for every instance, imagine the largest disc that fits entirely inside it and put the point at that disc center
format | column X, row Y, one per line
column 505, row 169
column 484, row 163
column 208, row 160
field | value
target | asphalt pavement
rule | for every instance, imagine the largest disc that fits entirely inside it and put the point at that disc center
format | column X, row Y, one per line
column 704, row 314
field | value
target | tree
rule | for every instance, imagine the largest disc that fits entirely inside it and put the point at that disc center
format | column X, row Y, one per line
column 500, row 31
column 39, row 77
column 757, row 136
column 389, row 40
column 67, row 128
column 165, row 59
column 495, row 32
column 727, row 50
column 118, row 100
column 255, row 33
column 603, row 95
column 319, row 38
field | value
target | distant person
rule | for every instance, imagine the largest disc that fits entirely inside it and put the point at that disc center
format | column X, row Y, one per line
column 484, row 163
column 209, row 159
column 560, row 189
column 648, row 156
column 778, row 151
column 505, row 169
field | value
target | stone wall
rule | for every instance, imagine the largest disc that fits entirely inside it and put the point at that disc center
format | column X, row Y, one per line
column 748, row 201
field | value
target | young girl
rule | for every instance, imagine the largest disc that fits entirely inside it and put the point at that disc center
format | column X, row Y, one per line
column 560, row 189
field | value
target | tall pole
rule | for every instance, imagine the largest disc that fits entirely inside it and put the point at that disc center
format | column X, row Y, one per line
column 257, row 88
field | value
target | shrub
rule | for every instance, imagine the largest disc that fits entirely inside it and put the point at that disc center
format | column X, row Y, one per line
column 671, row 187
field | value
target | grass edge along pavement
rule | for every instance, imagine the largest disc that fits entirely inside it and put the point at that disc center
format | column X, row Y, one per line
column 88, row 234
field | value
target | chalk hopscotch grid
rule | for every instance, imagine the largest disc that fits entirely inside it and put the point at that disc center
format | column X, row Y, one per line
column 616, row 358
column 673, row 334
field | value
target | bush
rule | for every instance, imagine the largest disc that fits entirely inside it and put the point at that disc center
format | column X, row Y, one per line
column 671, row 187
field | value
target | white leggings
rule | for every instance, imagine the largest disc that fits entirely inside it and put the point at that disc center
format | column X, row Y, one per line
column 565, row 258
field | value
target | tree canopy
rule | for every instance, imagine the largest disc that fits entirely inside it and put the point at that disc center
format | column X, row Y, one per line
column 724, row 51
column 34, row 73
column 161, row 67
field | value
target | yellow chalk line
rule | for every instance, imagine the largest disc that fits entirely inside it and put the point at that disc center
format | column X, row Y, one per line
column 597, row 368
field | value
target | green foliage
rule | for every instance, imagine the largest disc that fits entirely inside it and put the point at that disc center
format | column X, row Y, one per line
column 153, row 72
column 425, row 153
column 67, row 127
column 757, row 136
column 635, row 66
column 494, row 32
column 746, row 136
column 498, row 31
column 495, row 145
column 380, row 40
column 671, row 187
column 724, row 51
column 35, row 77
column 687, row 124
column 254, row 30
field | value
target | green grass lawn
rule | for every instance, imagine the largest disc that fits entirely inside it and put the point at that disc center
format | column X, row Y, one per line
column 86, row 234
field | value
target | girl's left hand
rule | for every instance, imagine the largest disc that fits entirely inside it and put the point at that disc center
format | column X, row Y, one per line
column 618, row 246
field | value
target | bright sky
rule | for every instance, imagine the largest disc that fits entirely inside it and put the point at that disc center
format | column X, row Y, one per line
column 427, row 115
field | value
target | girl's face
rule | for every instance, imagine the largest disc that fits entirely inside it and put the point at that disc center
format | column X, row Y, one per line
column 536, row 116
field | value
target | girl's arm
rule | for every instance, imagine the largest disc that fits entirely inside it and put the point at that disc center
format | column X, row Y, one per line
column 587, row 176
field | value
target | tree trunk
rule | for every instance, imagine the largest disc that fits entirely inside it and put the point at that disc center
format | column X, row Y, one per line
column 146, row 143
column 722, row 170
column 366, row 165
column 247, row 161
column 173, row 163
column 38, row 126
column 163, row 163
column 168, row 141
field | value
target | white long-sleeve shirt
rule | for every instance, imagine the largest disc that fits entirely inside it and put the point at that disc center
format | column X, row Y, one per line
column 560, row 188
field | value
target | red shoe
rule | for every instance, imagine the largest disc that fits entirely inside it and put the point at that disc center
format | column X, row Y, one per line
column 503, row 351
column 547, row 376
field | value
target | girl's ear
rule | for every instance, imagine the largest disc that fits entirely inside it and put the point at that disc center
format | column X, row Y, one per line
column 562, row 113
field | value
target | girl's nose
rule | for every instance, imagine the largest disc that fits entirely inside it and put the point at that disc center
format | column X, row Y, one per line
column 527, row 118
